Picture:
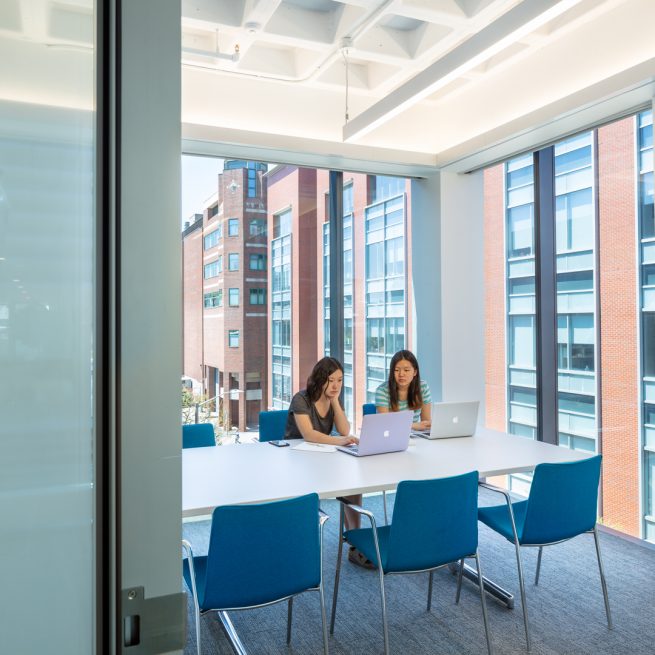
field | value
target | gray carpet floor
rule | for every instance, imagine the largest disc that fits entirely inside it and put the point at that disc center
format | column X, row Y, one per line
column 567, row 614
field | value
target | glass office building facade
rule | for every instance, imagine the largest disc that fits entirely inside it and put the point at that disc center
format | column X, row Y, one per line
column 575, row 239
column 281, row 310
column 385, row 284
column 521, row 304
column 520, row 271
column 647, row 261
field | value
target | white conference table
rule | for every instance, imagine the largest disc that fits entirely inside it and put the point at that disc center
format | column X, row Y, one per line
column 260, row 472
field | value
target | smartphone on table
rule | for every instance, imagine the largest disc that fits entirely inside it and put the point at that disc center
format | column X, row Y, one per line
column 280, row 443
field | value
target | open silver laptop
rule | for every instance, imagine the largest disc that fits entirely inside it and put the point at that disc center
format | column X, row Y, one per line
column 452, row 419
column 382, row 433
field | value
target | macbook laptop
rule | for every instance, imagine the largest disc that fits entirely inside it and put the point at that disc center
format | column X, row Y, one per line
column 453, row 419
column 382, row 433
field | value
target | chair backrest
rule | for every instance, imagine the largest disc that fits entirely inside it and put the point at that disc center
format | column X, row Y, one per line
column 434, row 522
column 369, row 408
column 262, row 553
column 273, row 424
column 197, row 435
column 563, row 501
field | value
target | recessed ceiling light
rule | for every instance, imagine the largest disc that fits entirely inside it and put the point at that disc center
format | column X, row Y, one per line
column 252, row 27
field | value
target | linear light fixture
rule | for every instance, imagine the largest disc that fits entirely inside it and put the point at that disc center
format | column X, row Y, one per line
column 523, row 19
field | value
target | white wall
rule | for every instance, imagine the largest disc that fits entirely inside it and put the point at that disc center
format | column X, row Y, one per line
column 462, row 287
column 426, row 279
column 448, row 277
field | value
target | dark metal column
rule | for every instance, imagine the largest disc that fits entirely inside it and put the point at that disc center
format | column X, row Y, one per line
column 546, row 295
column 336, row 264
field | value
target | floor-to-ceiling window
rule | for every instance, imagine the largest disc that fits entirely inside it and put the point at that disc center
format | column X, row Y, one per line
column 575, row 255
column 580, row 250
column 385, row 281
column 521, row 361
column 647, row 252
column 520, row 303
column 348, row 310
column 266, row 259
column 281, row 310
column 225, row 236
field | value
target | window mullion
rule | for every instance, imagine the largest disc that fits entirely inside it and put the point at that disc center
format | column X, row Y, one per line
column 336, row 264
column 546, row 296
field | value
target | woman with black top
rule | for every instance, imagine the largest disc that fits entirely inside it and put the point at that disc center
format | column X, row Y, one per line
column 315, row 411
column 313, row 414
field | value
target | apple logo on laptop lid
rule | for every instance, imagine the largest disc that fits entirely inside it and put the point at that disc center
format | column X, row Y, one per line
column 455, row 419
column 385, row 433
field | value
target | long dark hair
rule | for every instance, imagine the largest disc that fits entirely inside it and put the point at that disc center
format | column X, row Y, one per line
column 414, row 395
column 322, row 370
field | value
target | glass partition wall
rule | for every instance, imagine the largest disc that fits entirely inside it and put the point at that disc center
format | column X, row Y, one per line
column 47, row 324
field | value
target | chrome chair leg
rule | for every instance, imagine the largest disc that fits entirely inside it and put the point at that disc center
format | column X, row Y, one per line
column 602, row 578
column 459, row 580
column 430, row 591
column 536, row 576
column 384, row 611
column 231, row 633
column 338, row 569
column 289, row 614
column 323, row 619
column 197, row 613
column 483, row 601
column 384, row 505
column 523, row 600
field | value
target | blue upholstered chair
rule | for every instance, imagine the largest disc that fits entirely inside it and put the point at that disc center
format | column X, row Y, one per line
column 197, row 435
column 434, row 523
column 273, row 424
column 242, row 569
column 369, row 408
column 563, row 503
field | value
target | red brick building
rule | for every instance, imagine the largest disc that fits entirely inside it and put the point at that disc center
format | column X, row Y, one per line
column 224, row 294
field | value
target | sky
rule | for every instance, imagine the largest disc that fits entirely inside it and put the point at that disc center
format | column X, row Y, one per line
column 199, row 182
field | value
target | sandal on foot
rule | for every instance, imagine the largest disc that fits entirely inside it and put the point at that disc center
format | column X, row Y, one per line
column 356, row 557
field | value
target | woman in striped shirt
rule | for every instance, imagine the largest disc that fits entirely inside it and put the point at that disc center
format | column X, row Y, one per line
column 405, row 390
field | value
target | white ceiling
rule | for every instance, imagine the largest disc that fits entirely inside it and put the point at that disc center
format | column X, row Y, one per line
column 428, row 81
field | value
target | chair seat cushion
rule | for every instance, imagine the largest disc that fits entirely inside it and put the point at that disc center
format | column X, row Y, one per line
column 200, row 568
column 498, row 519
column 362, row 539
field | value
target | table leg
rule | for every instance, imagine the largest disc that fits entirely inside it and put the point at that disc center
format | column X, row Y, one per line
column 494, row 590
column 231, row 633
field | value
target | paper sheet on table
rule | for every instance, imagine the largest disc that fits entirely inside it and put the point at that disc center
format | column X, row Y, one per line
column 315, row 447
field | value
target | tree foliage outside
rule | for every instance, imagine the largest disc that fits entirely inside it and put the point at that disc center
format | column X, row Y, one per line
column 208, row 411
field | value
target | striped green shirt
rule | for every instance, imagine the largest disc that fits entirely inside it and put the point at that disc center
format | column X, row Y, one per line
column 382, row 398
